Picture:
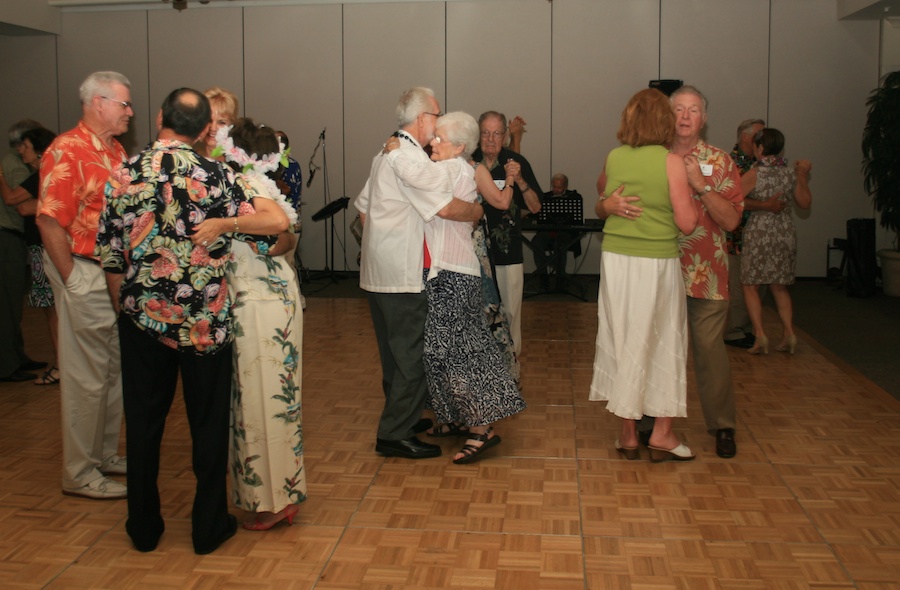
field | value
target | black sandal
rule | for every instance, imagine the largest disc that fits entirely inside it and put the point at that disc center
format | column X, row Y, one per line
column 48, row 378
column 448, row 429
column 471, row 452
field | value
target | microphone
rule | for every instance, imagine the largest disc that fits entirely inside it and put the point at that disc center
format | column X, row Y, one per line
column 322, row 135
column 312, row 174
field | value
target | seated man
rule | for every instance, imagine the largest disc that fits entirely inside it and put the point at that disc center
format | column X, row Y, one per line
column 544, row 244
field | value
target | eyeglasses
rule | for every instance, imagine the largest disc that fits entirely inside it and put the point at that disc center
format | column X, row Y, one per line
column 125, row 104
column 494, row 134
column 434, row 114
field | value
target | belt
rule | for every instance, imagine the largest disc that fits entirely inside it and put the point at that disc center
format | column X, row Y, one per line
column 14, row 232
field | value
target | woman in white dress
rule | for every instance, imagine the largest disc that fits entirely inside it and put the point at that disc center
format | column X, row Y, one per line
column 267, row 473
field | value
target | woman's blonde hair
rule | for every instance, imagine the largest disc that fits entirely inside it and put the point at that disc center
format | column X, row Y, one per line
column 223, row 101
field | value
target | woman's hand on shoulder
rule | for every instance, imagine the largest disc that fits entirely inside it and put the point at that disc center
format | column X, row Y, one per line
column 390, row 145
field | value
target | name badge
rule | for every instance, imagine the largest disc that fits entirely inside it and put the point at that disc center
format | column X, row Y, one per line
column 501, row 184
column 706, row 169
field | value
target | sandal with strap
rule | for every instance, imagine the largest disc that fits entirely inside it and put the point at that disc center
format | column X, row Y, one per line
column 50, row 377
column 472, row 452
column 448, row 429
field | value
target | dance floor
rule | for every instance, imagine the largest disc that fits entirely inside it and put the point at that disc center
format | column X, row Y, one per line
column 812, row 499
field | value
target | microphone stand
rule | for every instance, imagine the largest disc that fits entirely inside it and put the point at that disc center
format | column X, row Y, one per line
column 329, row 270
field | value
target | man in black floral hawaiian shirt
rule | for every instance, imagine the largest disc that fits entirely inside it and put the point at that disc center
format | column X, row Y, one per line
column 174, row 313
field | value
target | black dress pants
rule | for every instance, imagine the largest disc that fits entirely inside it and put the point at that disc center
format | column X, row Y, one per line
column 149, row 377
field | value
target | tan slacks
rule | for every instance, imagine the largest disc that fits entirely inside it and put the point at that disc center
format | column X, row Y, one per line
column 510, row 284
column 706, row 320
column 90, row 371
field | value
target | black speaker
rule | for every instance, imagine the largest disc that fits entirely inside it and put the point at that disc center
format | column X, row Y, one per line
column 861, row 264
column 667, row 87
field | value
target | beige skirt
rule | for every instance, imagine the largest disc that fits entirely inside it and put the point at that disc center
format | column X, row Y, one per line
column 641, row 354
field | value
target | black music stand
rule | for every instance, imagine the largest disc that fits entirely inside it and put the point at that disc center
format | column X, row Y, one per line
column 328, row 212
column 556, row 214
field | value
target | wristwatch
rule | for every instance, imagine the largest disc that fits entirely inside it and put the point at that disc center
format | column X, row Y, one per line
column 705, row 190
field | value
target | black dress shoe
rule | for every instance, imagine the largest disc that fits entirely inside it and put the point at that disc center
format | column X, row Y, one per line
column 422, row 425
column 18, row 376
column 31, row 365
column 409, row 448
column 725, row 445
column 230, row 530
column 746, row 342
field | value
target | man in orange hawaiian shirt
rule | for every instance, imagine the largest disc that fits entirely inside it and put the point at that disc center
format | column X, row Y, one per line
column 716, row 183
column 74, row 171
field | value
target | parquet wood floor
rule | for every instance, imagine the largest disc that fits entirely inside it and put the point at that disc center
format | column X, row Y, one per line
column 812, row 499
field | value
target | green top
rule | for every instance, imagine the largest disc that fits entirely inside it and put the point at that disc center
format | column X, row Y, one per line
column 643, row 172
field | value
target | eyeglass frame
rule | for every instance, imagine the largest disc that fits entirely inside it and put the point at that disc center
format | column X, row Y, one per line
column 123, row 103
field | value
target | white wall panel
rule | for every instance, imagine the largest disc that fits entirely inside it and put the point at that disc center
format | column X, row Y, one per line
column 603, row 52
column 294, row 81
column 498, row 59
column 387, row 49
column 29, row 81
column 196, row 48
column 722, row 48
column 105, row 41
column 822, row 71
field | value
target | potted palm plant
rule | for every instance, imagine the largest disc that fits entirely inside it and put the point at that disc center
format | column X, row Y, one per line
column 881, row 171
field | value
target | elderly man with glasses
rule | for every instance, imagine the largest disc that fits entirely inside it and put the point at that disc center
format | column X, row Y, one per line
column 504, row 226
column 74, row 172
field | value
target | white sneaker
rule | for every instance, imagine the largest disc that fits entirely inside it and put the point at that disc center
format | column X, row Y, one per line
column 101, row 488
column 115, row 465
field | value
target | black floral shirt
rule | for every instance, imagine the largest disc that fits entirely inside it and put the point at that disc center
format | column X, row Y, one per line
column 744, row 163
column 172, row 289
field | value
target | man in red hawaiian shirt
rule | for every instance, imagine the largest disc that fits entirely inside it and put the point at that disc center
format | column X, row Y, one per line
column 716, row 183
column 74, row 171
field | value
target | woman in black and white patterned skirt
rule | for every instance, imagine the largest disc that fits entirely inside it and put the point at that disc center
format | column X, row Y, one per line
column 470, row 386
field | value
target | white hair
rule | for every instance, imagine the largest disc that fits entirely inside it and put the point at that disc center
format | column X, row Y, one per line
column 460, row 128
column 413, row 103
column 98, row 83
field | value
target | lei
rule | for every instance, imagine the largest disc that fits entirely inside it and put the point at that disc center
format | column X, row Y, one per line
column 256, row 167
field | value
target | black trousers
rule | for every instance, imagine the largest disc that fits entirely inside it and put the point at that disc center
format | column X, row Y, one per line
column 149, row 376
column 399, row 321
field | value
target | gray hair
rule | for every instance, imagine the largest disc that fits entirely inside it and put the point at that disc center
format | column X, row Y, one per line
column 19, row 128
column 460, row 128
column 98, row 83
column 493, row 114
column 746, row 127
column 691, row 90
column 560, row 176
column 413, row 103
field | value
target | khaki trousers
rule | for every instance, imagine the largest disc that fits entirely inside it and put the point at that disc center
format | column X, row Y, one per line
column 90, row 371
column 706, row 320
column 510, row 284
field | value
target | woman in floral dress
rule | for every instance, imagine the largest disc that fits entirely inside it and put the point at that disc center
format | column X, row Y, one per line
column 267, row 472
column 770, row 241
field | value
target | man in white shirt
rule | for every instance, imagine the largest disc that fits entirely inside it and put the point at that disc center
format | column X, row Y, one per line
column 391, row 269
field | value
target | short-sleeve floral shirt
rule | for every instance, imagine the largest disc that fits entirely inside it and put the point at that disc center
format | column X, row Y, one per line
column 172, row 289
column 74, row 171
column 704, row 256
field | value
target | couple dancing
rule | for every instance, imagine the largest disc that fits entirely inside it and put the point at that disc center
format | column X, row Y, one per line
column 431, row 326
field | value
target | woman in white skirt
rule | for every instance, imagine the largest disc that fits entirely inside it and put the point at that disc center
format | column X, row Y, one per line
column 641, row 352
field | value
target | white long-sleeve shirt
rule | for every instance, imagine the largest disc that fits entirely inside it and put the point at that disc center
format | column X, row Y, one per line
column 396, row 212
